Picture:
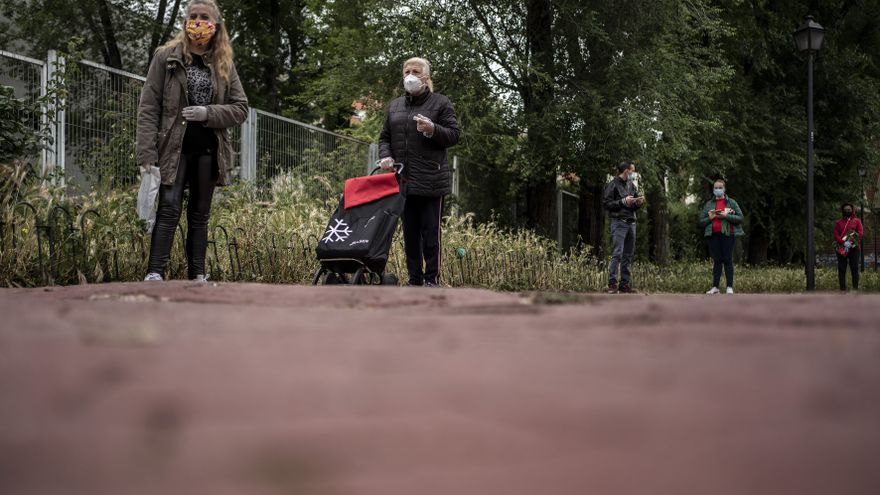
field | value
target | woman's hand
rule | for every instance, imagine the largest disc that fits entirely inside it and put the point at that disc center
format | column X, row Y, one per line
column 195, row 114
column 722, row 213
column 387, row 163
column 424, row 125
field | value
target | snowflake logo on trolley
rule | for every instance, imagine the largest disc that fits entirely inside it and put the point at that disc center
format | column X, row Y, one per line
column 340, row 231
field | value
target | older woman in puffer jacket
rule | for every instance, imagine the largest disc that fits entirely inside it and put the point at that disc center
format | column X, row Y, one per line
column 418, row 129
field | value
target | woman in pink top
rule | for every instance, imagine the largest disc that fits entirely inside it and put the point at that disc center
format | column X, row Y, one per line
column 848, row 232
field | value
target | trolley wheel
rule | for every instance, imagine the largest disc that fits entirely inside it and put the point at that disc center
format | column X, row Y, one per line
column 317, row 277
column 390, row 279
column 359, row 277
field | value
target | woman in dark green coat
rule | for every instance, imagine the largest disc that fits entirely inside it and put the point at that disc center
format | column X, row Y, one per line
column 722, row 221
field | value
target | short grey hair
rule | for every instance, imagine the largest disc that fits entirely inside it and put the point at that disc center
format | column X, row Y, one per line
column 424, row 64
column 426, row 68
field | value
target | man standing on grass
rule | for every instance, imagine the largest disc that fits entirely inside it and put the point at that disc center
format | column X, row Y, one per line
column 622, row 199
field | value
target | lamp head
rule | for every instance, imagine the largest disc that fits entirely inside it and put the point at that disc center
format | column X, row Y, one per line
column 809, row 36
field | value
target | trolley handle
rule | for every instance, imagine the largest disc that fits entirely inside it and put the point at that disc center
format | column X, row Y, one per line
column 398, row 168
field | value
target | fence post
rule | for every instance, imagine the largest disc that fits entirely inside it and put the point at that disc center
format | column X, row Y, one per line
column 47, row 155
column 244, row 149
column 559, row 199
column 249, row 146
column 455, row 176
column 54, row 159
column 372, row 157
column 455, row 185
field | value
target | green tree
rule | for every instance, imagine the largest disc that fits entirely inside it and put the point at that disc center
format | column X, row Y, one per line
column 270, row 38
column 762, row 148
column 120, row 33
column 357, row 56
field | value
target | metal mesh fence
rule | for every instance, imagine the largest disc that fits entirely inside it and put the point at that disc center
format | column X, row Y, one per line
column 318, row 159
column 567, row 220
column 481, row 190
column 100, row 127
column 97, row 137
column 235, row 139
column 25, row 76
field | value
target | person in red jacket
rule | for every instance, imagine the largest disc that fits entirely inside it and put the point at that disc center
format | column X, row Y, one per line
column 848, row 232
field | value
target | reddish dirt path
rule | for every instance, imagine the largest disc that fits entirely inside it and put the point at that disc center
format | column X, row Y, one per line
column 252, row 389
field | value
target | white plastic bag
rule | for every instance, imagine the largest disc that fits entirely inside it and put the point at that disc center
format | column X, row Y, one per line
column 148, row 195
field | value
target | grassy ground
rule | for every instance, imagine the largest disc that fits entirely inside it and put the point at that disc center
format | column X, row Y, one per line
column 271, row 241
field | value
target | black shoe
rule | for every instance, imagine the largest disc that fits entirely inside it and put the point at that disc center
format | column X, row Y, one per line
column 431, row 285
column 612, row 288
column 413, row 284
column 627, row 289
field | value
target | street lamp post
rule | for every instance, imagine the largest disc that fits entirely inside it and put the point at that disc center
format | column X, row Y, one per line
column 863, row 172
column 808, row 38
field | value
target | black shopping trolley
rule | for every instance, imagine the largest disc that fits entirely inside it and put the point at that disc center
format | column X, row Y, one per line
column 354, row 247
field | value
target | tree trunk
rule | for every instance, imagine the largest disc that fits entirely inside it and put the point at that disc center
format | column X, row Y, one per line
column 112, row 54
column 537, row 97
column 171, row 22
column 659, row 226
column 589, row 72
column 161, row 29
column 591, row 217
column 759, row 244
column 270, row 70
column 87, row 10
column 541, row 207
column 158, row 27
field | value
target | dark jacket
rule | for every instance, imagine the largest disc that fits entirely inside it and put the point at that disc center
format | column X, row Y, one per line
column 732, row 225
column 161, row 127
column 426, row 167
column 612, row 200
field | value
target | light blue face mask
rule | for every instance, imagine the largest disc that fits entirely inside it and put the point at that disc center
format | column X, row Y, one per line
column 719, row 193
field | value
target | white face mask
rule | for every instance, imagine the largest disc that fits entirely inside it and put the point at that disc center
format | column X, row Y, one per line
column 412, row 84
column 634, row 176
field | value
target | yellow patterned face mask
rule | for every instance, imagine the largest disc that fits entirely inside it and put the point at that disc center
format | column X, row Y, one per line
column 200, row 32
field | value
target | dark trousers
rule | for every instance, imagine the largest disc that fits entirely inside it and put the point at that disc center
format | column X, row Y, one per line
column 852, row 259
column 623, row 247
column 421, row 238
column 199, row 171
column 721, row 248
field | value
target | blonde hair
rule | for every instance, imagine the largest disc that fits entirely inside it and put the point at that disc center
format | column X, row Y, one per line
column 426, row 69
column 222, row 49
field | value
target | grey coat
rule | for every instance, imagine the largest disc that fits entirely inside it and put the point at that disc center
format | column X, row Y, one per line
column 161, row 126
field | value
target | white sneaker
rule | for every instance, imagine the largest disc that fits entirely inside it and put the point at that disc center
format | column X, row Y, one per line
column 730, row 290
column 713, row 290
column 201, row 279
column 153, row 277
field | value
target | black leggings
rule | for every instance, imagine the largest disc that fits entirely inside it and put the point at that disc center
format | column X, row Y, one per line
column 199, row 171
column 853, row 259
column 721, row 248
